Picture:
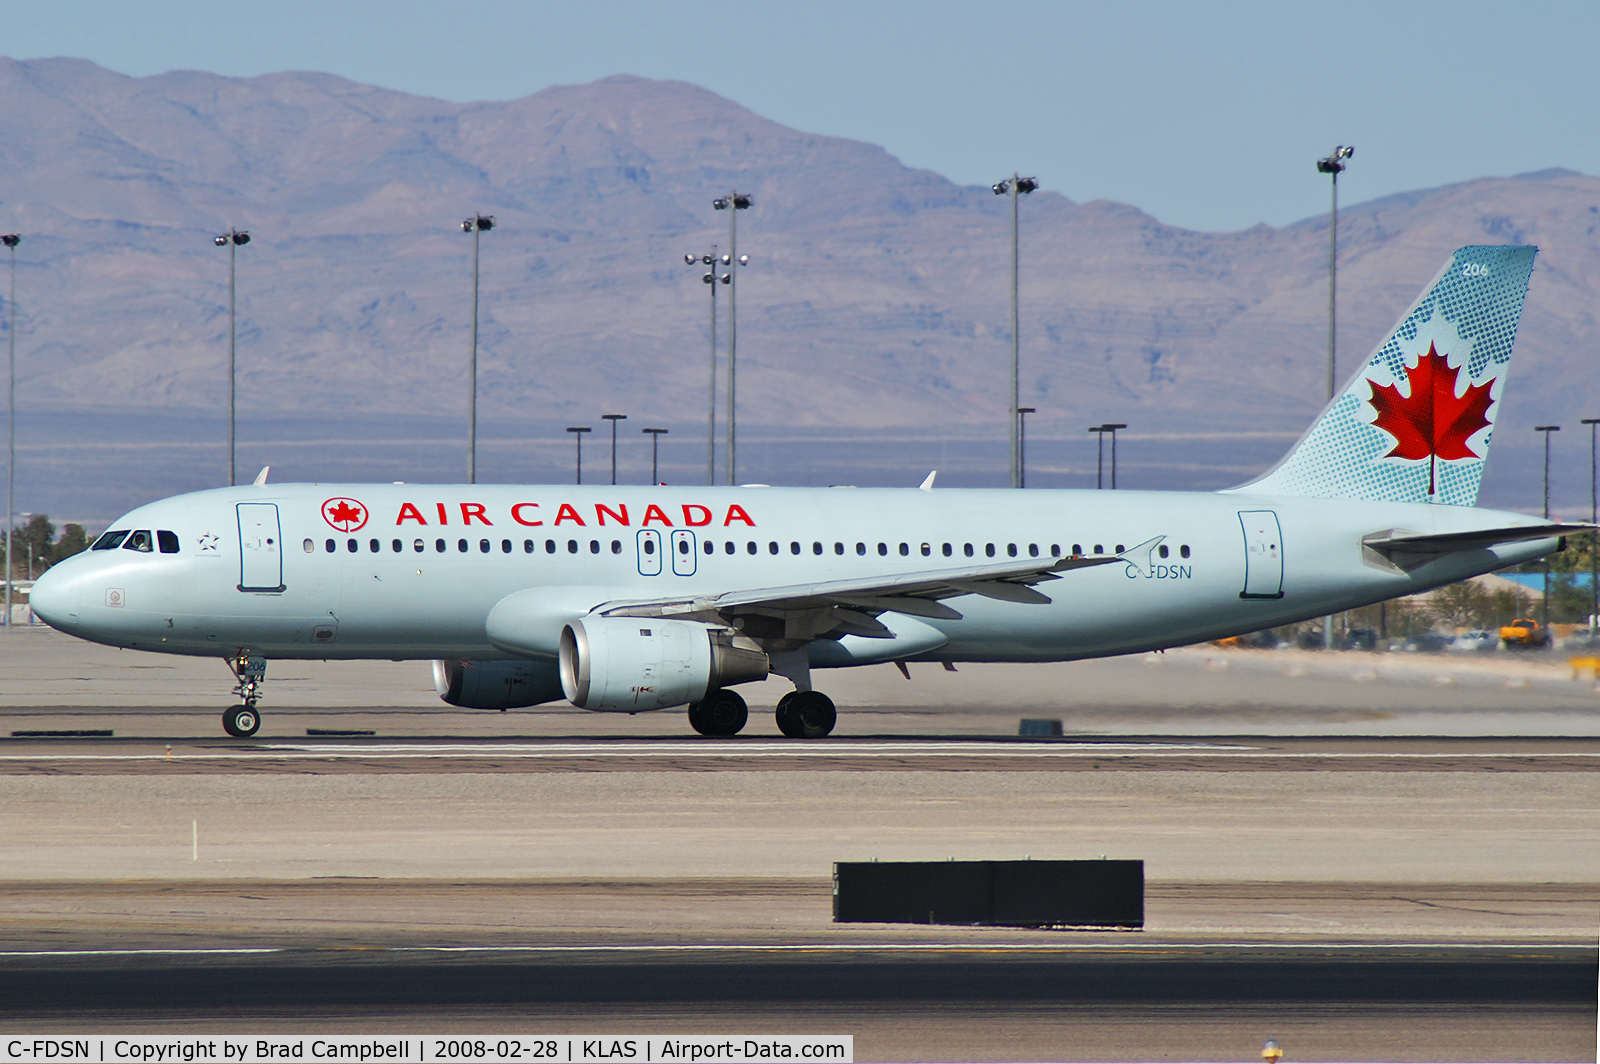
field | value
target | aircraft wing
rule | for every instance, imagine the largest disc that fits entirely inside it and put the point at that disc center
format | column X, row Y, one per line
column 851, row 605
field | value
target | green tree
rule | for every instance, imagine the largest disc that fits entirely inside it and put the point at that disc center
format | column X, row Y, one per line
column 74, row 540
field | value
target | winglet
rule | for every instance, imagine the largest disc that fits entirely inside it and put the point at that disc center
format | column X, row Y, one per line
column 261, row 477
column 927, row 485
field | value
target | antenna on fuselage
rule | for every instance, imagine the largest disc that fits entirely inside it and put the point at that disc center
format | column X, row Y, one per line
column 261, row 477
column 927, row 485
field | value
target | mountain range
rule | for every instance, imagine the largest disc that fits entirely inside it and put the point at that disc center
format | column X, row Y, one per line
column 873, row 319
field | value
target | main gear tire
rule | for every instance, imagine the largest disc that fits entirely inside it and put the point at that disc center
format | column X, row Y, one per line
column 719, row 714
column 806, row 715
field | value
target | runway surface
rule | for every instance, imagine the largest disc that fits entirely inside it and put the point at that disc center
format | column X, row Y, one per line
column 1321, row 867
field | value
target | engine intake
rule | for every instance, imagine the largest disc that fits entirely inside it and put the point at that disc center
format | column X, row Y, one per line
column 627, row 664
column 496, row 684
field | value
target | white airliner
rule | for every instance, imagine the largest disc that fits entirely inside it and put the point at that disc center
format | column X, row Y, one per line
column 630, row 599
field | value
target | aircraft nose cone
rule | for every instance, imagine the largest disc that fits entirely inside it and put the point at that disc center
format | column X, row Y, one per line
column 55, row 599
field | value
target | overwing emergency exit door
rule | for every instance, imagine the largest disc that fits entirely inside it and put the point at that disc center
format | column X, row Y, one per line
column 1263, row 554
column 683, row 559
column 649, row 552
column 260, row 547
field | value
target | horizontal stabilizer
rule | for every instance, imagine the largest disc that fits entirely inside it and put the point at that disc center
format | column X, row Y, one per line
column 1407, row 549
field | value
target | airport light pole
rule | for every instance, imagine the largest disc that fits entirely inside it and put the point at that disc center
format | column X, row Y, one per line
column 711, row 279
column 1100, row 456
column 1015, row 186
column 1544, row 621
column 11, row 240
column 578, row 431
column 1333, row 165
column 1594, row 538
column 1022, row 439
column 1112, row 428
column 614, row 418
column 475, row 225
column 733, row 203
column 233, row 240
column 655, row 444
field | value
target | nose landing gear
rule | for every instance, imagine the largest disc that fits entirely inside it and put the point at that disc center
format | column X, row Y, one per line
column 243, row 720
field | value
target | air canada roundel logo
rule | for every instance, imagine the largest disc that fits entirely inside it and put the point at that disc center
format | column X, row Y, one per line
column 347, row 515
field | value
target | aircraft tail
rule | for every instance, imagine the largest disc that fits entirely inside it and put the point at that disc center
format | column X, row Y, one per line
column 1413, row 425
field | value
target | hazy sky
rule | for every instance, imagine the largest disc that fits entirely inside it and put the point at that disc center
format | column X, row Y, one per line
column 1207, row 115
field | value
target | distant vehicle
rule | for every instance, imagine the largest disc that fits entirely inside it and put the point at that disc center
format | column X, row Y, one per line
column 1478, row 641
column 1429, row 643
column 1524, row 633
column 1359, row 639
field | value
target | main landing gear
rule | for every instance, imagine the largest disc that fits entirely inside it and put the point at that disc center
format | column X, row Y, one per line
column 243, row 721
column 801, row 714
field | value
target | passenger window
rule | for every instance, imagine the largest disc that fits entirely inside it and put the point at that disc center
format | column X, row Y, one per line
column 549, row 546
column 1011, row 549
column 750, row 547
column 649, row 546
column 1162, row 550
column 946, row 550
column 351, row 545
column 1033, row 550
column 772, row 548
column 461, row 546
column 1077, row 550
column 883, row 550
column 418, row 546
column 988, row 549
column 594, row 546
column 861, row 549
column 1183, row 551
column 683, row 546
column 927, row 549
column 505, row 546
column 1120, row 548
column 616, row 546
column 397, row 546
column 816, row 548
column 309, row 546
column 483, row 546
column 794, row 548
column 572, row 546
column 727, row 548
column 711, row 548
column 111, row 540
column 139, row 541
column 374, row 546
column 331, row 546
column 167, row 541
column 438, row 545
column 1098, row 549
column 527, row 546
column 967, row 549
column 1055, row 550
column 838, row 548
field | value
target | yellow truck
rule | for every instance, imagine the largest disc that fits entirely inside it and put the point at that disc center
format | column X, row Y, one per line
column 1524, row 633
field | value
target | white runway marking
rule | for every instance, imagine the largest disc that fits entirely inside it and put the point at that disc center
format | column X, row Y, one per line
column 802, row 750
column 849, row 947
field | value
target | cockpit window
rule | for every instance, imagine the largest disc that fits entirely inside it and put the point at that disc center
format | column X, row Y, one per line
column 167, row 541
column 110, row 540
column 140, row 541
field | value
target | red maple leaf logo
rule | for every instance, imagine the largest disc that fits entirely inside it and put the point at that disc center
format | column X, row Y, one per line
column 1432, row 422
column 346, row 515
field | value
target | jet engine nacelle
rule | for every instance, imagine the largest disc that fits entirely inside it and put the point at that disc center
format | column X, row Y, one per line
column 634, row 663
column 496, row 684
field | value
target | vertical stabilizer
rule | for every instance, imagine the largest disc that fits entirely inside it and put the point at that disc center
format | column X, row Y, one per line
column 1414, row 424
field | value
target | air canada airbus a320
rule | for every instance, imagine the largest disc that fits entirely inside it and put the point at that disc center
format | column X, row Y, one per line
column 629, row 599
